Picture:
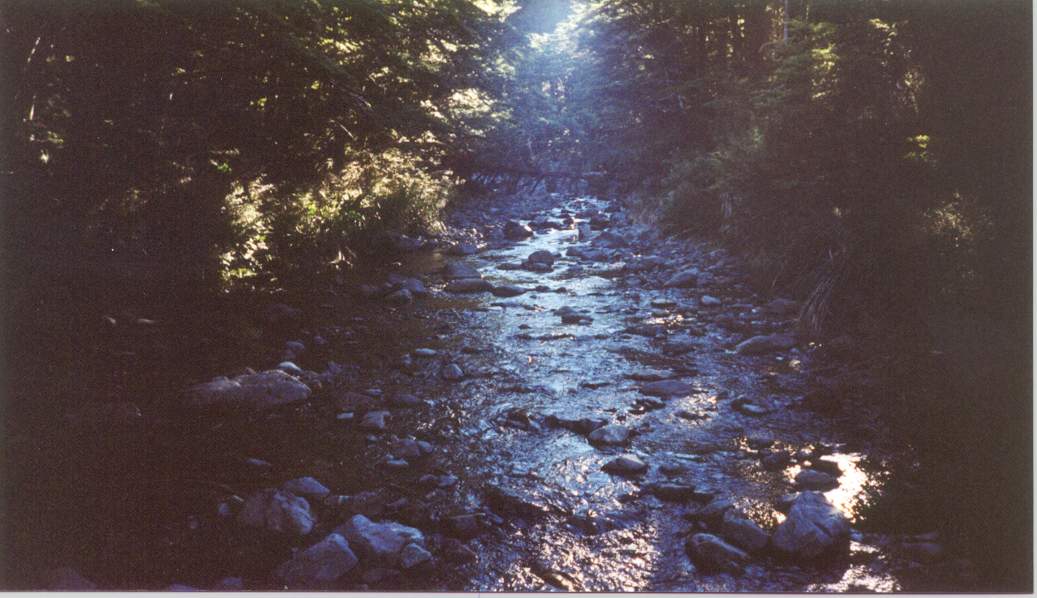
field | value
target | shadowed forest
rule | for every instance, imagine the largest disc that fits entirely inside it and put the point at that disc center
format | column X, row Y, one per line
column 329, row 242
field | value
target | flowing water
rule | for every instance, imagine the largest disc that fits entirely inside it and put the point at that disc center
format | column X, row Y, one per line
column 138, row 509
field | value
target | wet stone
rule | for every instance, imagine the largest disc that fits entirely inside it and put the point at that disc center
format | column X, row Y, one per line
column 460, row 270
column 626, row 465
column 374, row 421
column 713, row 554
column 810, row 479
column 775, row 461
column 667, row 388
column 424, row 353
column 611, row 434
column 469, row 285
column 583, row 425
column 758, row 345
column 400, row 297
column 507, row 291
column 743, row 532
column 812, row 528
column 709, row 301
column 308, row 487
column 672, row 492
column 516, row 231
column 683, row 279
column 405, row 401
column 452, row 372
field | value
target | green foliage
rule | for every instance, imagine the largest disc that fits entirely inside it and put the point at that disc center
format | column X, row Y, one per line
column 132, row 123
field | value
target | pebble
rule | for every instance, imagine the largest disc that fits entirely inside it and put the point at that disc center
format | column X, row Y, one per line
column 374, row 421
column 810, row 479
column 452, row 372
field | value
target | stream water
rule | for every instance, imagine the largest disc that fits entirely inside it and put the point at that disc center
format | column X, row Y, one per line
column 524, row 504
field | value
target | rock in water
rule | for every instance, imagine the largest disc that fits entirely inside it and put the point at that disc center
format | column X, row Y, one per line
column 319, row 565
column 683, row 279
column 610, row 434
column 308, row 487
column 374, row 421
column 507, row 290
column 767, row 343
column 626, row 465
column 743, row 532
column 380, row 542
column 516, row 231
column 812, row 528
column 277, row 511
column 541, row 257
column 712, row 553
column 469, row 285
column 810, row 479
column 459, row 270
column 264, row 390
column 452, row 372
column 667, row 388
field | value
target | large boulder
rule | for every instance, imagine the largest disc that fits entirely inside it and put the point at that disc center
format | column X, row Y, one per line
column 812, row 528
column 766, row 343
column 319, row 565
column 379, row 542
column 277, row 511
column 261, row 391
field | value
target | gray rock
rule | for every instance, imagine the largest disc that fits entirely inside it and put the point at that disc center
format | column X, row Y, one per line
column 289, row 367
column 583, row 231
column 261, row 391
column 812, row 528
column 713, row 554
column 516, row 231
column 672, row 492
column 610, row 434
column 414, row 286
column 743, row 532
column 277, row 511
column 767, row 343
column 709, row 301
column 541, row 257
column 413, row 555
column 408, row 448
column 713, row 511
column 811, row 479
column 452, row 372
column 424, row 353
column 380, row 542
column 462, row 248
column 507, row 290
column 683, row 279
column 307, row 487
column 626, row 465
column 405, row 401
column 293, row 349
column 374, row 421
column 667, row 389
column 469, row 285
column 583, row 425
column 319, row 565
column 459, row 270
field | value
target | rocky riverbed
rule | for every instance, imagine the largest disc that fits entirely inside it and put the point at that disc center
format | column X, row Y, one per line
column 549, row 396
